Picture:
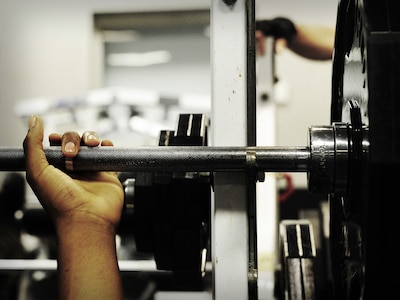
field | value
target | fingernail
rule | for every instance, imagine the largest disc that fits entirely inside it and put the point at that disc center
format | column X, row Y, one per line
column 69, row 147
column 91, row 137
column 32, row 121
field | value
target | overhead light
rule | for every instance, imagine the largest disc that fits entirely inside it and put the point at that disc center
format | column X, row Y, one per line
column 134, row 59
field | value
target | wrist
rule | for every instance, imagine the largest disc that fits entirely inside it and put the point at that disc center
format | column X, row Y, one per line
column 83, row 226
column 87, row 259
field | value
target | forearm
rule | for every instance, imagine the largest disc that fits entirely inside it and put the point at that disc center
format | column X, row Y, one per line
column 87, row 262
column 313, row 42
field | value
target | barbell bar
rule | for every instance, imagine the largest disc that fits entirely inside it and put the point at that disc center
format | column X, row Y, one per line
column 326, row 159
column 171, row 158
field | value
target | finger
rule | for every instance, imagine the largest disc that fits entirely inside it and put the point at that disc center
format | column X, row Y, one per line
column 259, row 34
column 260, row 49
column 70, row 144
column 90, row 138
column 35, row 158
column 55, row 139
column 280, row 45
column 260, row 43
column 107, row 143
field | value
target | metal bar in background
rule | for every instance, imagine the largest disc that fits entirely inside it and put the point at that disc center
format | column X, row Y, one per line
column 51, row 265
column 267, row 191
column 230, row 117
column 251, row 141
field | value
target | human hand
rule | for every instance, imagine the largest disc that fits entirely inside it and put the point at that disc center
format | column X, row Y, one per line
column 71, row 197
column 281, row 29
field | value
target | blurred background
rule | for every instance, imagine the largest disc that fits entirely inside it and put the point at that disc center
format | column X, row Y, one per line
column 55, row 56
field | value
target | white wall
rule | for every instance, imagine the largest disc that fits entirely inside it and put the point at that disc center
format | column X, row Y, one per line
column 46, row 49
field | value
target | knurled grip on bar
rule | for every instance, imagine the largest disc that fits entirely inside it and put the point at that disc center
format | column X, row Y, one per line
column 326, row 160
column 171, row 158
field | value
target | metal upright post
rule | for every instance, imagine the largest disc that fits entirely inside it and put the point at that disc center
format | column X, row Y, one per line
column 267, row 196
column 233, row 124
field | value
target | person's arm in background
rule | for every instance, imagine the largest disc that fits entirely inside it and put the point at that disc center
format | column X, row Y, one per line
column 85, row 208
column 314, row 42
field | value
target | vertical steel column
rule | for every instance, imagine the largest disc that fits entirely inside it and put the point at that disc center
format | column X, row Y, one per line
column 234, row 248
column 267, row 202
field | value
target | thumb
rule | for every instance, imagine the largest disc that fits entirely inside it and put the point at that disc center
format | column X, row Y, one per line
column 35, row 158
